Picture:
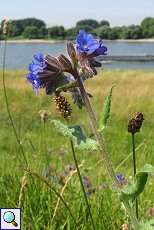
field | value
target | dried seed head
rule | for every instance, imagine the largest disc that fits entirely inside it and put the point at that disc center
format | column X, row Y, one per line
column 5, row 26
column 63, row 106
column 125, row 226
column 24, row 182
column 135, row 123
column 150, row 212
column 44, row 115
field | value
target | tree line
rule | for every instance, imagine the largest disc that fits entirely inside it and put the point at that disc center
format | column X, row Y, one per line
column 32, row 28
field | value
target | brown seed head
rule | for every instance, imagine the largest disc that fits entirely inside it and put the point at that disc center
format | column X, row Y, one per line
column 135, row 123
column 44, row 115
column 5, row 26
column 63, row 106
column 150, row 212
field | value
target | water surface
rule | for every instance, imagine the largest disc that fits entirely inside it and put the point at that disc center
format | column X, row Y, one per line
column 19, row 55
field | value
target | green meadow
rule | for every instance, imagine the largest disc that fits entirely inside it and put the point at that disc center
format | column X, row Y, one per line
column 45, row 149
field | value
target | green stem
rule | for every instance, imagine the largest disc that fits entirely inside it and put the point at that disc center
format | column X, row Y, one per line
column 7, row 104
column 131, row 215
column 81, row 182
column 134, row 168
column 98, row 136
column 100, row 139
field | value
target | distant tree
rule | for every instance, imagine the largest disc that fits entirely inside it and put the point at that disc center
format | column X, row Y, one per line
column 17, row 27
column 104, row 32
column 147, row 22
column 132, row 32
column 1, row 34
column 31, row 32
column 136, row 32
column 71, row 33
column 147, row 26
column 114, row 33
column 57, row 32
column 42, row 32
column 104, row 23
column 88, row 22
column 33, row 22
column 117, row 30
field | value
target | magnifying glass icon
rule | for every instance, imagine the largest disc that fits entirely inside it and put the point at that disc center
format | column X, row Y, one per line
column 9, row 217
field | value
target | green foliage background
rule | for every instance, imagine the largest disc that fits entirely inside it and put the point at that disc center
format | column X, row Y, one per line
column 32, row 28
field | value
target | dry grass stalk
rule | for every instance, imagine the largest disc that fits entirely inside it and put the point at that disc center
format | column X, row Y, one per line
column 22, row 189
column 72, row 173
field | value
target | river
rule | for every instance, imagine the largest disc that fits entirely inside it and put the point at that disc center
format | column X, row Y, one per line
column 19, row 55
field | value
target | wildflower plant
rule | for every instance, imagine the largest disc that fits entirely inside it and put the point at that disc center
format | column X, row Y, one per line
column 61, row 74
column 58, row 75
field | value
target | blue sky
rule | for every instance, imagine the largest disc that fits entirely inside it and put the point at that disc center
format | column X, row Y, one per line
column 68, row 12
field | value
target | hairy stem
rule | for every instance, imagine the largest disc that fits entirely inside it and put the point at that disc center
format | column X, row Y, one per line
column 100, row 139
column 134, row 168
column 7, row 104
column 81, row 182
column 98, row 136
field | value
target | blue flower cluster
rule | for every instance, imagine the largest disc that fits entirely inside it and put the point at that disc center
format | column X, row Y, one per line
column 49, row 72
column 86, row 43
column 37, row 66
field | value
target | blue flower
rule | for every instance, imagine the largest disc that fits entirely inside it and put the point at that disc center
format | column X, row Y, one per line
column 86, row 182
column 121, row 178
column 37, row 66
column 86, row 43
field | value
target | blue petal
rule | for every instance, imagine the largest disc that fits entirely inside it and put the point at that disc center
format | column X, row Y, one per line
column 93, row 46
column 81, row 38
column 90, row 38
column 39, row 57
column 102, row 50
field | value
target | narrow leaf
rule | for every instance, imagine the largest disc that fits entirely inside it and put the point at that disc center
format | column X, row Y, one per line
column 106, row 111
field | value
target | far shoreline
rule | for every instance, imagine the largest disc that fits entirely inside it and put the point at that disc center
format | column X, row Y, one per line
column 37, row 41
column 33, row 41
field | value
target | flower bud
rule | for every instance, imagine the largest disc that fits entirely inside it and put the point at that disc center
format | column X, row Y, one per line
column 65, row 64
column 71, row 52
column 53, row 64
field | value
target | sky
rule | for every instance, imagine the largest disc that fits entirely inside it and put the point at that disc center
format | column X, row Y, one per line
column 68, row 12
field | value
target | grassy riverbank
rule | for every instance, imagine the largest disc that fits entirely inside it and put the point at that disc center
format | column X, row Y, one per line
column 44, row 148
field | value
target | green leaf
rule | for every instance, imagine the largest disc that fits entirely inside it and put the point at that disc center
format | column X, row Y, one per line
column 106, row 111
column 151, row 222
column 132, row 191
column 62, row 128
column 76, row 134
column 149, row 225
